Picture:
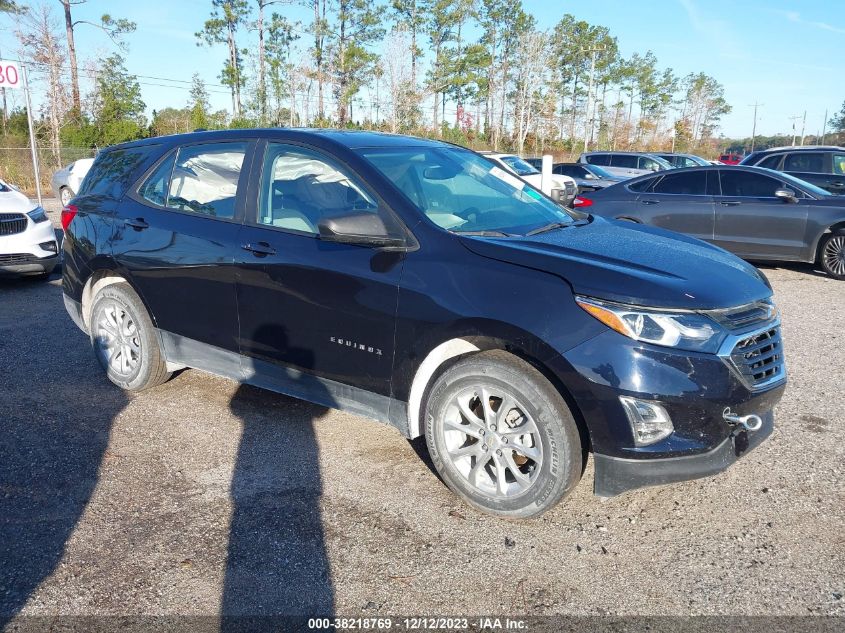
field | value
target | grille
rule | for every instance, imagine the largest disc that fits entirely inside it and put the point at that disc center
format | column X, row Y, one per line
column 17, row 258
column 12, row 223
column 759, row 357
column 570, row 188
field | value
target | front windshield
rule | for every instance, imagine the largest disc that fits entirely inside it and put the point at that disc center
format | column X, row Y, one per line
column 521, row 167
column 698, row 160
column 463, row 192
column 598, row 172
column 665, row 164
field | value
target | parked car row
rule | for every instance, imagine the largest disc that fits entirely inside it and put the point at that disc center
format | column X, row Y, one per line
column 756, row 213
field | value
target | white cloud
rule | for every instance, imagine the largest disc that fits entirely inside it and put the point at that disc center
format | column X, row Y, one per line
column 794, row 16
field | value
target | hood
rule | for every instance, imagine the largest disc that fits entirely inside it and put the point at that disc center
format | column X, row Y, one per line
column 632, row 263
column 13, row 201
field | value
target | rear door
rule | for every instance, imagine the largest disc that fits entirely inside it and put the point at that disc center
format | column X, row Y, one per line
column 680, row 201
column 752, row 222
column 311, row 308
column 625, row 165
column 814, row 167
column 177, row 236
column 836, row 180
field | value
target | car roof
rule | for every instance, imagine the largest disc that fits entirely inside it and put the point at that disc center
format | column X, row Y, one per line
column 799, row 148
column 351, row 139
column 610, row 151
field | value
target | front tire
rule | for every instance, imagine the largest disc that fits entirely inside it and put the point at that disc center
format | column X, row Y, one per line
column 832, row 254
column 501, row 436
column 125, row 341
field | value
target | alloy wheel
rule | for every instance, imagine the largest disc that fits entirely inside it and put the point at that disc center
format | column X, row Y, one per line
column 492, row 441
column 833, row 255
column 118, row 340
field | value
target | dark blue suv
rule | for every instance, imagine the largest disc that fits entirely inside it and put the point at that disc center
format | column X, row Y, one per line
column 413, row 282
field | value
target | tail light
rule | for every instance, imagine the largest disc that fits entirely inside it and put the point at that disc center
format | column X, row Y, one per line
column 68, row 213
column 582, row 202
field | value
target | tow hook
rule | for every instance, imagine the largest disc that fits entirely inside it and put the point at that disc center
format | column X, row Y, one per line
column 749, row 422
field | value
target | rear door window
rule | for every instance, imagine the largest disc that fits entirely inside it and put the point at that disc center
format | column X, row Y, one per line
column 205, row 179
column 737, row 183
column 155, row 187
column 644, row 162
column 810, row 162
column 692, row 183
column 599, row 159
column 624, row 160
column 771, row 162
column 838, row 163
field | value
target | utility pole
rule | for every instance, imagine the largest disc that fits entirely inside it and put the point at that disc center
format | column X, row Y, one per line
column 803, row 127
column 754, row 105
column 588, row 127
column 794, row 119
column 824, row 127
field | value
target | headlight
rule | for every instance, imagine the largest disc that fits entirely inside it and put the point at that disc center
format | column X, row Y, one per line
column 680, row 329
column 38, row 215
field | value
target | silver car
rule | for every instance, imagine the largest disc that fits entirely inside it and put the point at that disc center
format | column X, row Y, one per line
column 625, row 164
column 66, row 181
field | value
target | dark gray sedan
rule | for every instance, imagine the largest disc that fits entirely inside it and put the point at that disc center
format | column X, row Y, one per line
column 756, row 213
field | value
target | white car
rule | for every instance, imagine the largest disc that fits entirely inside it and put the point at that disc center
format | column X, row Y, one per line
column 66, row 181
column 564, row 188
column 28, row 243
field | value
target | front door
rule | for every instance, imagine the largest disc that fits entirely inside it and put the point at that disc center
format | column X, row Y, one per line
column 753, row 223
column 177, row 236
column 316, row 317
column 679, row 201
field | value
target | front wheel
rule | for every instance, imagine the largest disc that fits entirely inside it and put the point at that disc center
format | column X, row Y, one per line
column 832, row 254
column 125, row 341
column 501, row 436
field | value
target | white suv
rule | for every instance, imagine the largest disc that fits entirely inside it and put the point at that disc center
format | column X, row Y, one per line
column 28, row 243
column 564, row 188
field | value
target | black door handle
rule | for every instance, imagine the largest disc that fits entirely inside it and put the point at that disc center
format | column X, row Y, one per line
column 138, row 224
column 651, row 201
column 730, row 203
column 260, row 249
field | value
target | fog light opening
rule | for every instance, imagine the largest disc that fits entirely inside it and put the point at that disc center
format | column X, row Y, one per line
column 649, row 420
column 51, row 246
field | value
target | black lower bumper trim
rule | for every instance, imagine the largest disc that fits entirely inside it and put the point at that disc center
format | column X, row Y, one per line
column 615, row 475
column 74, row 310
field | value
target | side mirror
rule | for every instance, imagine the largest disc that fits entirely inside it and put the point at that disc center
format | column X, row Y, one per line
column 363, row 229
column 589, row 177
column 787, row 195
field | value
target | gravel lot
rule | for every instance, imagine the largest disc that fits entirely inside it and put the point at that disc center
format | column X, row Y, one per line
column 206, row 497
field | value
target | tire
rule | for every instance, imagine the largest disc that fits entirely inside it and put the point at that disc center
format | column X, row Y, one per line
column 478, row 461
column 65, row 196
column 124, row 340
column 832, row 254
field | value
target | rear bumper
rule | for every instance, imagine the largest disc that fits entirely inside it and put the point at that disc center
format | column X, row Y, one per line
column 615, row 475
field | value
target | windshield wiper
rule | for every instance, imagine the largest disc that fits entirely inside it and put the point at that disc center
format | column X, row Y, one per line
column 548, row 227
column 483, row 233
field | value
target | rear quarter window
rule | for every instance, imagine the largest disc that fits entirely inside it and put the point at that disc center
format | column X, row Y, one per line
column 114, row 171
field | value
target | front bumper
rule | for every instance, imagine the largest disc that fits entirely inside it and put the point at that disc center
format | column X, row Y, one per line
column 694, row 388
column 22, row 253
column 615, row 475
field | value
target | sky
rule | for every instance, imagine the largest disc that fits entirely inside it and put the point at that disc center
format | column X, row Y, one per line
column 785, row 55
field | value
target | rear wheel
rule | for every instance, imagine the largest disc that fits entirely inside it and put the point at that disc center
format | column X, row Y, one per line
column 125, row 341
column 502, row 437
column 832, row 254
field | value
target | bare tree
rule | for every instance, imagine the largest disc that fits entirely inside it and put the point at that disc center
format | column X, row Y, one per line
column 40, row 45
column 398, row 65
column 530, row 76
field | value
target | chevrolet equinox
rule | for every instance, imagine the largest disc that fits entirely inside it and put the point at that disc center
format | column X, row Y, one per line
column 413, row 282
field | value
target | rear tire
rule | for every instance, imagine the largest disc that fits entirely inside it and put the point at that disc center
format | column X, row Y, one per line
column 515, row 462
column 125, row 341
column 832, row 254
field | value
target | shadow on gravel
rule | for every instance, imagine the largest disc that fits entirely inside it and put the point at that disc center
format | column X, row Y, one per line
column 277, row 563
column 56, row 413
